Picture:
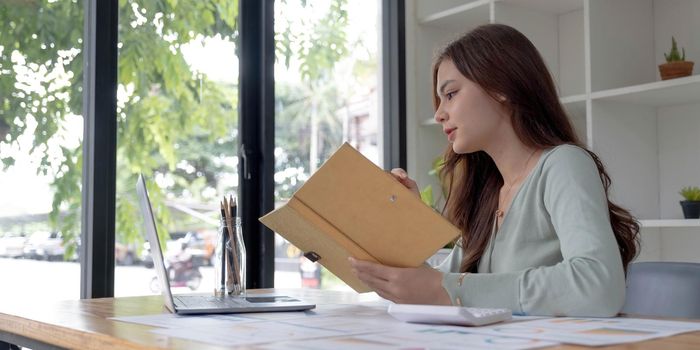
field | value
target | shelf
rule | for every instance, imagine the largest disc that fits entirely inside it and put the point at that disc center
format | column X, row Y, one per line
column 548, row 6
column 462, row 17
column 573, row 99
column 478, row 12
column 671, row 223
column 660, row 93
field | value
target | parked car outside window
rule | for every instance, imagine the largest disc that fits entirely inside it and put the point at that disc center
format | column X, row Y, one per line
column 12, row 245
column 45, row 246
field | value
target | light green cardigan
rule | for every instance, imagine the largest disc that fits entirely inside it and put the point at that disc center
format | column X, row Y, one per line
column 555, row 253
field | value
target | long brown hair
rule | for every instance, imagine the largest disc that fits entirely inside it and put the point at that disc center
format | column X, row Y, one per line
column 503, row 62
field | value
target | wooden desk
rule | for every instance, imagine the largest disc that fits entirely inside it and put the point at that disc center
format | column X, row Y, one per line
column 83, row 324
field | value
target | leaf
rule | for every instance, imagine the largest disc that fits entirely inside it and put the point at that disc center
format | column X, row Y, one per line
column 426, row 195
column 437, row 165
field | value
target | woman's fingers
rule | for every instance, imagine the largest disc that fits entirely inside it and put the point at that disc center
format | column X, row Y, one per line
column 374, row 282
column 414, row 285
column 373, row 275
column 402, row 176
column 367, row 267
column 399, row 173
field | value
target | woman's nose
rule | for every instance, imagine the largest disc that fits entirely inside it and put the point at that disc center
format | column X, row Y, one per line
column 440, row 116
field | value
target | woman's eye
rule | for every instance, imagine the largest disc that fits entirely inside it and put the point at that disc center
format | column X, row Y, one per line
column 451, row 94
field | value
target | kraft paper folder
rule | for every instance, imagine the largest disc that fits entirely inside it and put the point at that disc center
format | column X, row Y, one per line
column 351, row 207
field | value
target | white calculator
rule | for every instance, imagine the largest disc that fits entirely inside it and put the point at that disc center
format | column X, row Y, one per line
column 453, row 315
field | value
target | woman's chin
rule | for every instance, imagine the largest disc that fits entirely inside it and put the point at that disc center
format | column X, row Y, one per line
column 462, row 149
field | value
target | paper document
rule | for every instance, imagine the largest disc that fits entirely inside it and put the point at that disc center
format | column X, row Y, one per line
column 345, row 327
column 178, row 321
column 261, row 332
column 195, row 321
column 351, row 326
column 334, row 326
column 247, row 333
column 417, row 337
column 590, row 331
column 351, row 207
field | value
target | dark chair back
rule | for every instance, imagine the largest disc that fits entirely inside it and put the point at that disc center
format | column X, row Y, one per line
column 665, row 289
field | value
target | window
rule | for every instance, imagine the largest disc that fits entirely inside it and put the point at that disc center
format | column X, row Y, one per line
column 177, row 124
column 177, row 111
column 41, row 131
column 326, row 93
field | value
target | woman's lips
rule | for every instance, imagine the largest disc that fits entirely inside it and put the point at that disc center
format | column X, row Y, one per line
column 450, row 133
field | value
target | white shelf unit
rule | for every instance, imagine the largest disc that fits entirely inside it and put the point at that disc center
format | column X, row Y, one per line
column 671, row 223
column 664, row 93
column 603, row 56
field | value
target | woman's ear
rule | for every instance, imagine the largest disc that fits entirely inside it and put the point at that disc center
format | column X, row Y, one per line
column 501, row 98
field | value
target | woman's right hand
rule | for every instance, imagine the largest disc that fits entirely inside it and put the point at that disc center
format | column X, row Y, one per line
column 402, row 176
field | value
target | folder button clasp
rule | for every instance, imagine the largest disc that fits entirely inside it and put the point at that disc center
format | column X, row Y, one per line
column 312, row 256
column 392, row 198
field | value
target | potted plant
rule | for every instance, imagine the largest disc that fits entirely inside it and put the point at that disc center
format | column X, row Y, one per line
column 676, row 66
column 428, row 198
column 426, row 194
column 691, row 204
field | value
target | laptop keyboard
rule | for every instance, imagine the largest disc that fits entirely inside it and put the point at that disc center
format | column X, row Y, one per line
column 204, row 301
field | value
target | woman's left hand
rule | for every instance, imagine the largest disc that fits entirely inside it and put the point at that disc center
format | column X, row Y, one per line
column 409, row 285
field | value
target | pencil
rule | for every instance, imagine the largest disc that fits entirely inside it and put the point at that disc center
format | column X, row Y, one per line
column 234, row 213
column 230, row 275
column 232, row 240
column 224, row 233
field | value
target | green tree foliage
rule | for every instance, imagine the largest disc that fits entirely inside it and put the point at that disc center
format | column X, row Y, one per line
column 165, row 109
column 294, row 106
column 317, row 100
column 171, row 120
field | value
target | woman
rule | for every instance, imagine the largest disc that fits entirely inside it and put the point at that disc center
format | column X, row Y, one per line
column 539, row 234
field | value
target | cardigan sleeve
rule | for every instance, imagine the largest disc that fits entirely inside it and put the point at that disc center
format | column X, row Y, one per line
column 589, row 281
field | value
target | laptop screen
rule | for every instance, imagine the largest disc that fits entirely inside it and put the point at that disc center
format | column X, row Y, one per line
column 152, row 236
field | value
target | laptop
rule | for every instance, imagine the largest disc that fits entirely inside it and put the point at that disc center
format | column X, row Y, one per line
column 202, row 303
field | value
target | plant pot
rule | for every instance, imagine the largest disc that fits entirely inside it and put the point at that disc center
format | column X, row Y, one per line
column 675, row 69
column 691, row 209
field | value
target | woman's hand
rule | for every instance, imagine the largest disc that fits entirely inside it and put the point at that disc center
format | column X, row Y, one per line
column 402, row 176
column 411, row 285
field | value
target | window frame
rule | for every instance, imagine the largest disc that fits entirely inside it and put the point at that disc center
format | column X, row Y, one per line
column 256, row 128
column 99, row 148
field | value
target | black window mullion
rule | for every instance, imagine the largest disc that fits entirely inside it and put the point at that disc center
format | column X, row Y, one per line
column 99, row 149
column 256, row 126
column 394, row 81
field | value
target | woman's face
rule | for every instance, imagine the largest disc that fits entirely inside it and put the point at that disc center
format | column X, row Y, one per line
column 470, row 118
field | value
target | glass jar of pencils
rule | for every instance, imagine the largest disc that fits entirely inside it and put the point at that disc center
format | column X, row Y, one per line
column 230, row 259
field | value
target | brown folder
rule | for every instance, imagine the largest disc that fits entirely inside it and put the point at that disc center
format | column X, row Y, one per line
column 351, row 207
